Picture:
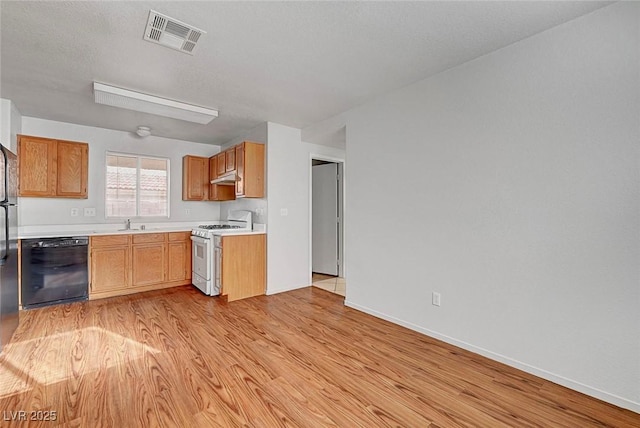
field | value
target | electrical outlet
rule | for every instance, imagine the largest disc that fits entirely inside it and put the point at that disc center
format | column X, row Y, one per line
column 187, row 211
column 89, row 212
column 284, row 212
column 435, row 299
column 75, row 212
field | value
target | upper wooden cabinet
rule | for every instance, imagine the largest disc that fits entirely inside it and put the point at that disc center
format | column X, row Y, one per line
column 73, row 168
column 213, row 167
column 195, row 178
column 230, row 160
column 246, row 160
column 52, row 168
column 221, row 165
column 249, row 158
column 218, row 192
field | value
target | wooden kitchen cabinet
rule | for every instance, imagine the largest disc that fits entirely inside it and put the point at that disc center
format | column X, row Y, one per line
column 213, row 167
column 246, row 160
column 243, row 266
column 132, row 263
column 52, row 168
column 195, row 178
column 250, row 170
column 148, row 259
column 179, row 256
column 230, row 160
column 218, row 192
column 221, row 164
column 73, row 169
column 110, row 258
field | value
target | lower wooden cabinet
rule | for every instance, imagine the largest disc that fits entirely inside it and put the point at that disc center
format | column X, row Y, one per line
column 110, row 268
column 243, row 266
column 148, row 264
column 131, row 263
column 179, row 257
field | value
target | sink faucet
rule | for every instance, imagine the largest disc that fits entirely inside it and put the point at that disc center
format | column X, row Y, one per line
column 127, row 224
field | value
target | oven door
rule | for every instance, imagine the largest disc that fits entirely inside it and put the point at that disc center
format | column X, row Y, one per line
column 201, row 257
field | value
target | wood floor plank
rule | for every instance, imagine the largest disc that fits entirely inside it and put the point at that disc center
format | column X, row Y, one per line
column 178, row 358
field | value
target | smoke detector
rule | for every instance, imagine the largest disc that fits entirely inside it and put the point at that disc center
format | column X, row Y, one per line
column 171, row 33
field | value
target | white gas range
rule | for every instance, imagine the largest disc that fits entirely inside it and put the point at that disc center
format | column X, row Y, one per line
column 206, row 249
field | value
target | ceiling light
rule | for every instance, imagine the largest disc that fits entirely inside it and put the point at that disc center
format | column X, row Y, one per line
column 143, row 131
column 123, row 98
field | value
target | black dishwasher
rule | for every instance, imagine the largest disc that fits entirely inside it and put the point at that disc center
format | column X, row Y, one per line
column 54, row 270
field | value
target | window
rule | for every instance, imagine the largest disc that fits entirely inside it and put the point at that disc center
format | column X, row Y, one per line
column 137, row 186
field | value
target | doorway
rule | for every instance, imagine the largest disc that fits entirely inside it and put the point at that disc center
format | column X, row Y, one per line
column 327, row 231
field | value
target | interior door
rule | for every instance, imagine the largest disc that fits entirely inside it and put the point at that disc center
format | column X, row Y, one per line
column 324, row 217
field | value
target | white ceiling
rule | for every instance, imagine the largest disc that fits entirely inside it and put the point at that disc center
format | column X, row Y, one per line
column 294, row 63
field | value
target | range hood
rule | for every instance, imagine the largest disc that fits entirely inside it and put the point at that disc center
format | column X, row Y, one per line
column 228, row 179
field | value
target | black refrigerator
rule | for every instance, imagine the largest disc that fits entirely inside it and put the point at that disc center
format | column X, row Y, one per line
column 8, row 245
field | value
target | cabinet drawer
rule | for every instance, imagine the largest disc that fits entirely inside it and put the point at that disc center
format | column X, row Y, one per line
column 109, row 240
column 179, row 236
column 143, row 238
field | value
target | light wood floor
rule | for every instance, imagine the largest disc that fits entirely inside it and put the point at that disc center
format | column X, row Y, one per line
column 177, row 358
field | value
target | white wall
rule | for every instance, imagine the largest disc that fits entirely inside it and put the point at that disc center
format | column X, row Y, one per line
column 10, row 124
column 5, row 121
column 521, row 171
column 40, row 211
column 329, row 132
column 288, row 186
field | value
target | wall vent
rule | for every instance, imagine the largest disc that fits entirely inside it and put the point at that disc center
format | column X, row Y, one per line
column 171, row 33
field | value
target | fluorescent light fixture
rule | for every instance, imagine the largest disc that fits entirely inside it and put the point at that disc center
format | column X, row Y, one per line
column 137, row 101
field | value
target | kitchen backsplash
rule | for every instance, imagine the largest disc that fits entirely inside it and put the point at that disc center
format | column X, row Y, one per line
column 257, row 206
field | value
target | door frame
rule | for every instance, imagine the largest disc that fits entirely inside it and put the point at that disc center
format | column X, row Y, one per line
column 342, row 271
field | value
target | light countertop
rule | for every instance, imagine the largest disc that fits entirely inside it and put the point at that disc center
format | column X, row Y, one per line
column 56, row 231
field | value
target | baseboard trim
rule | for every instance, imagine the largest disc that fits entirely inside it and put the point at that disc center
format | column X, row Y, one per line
column 544, row 374
column 282, row 290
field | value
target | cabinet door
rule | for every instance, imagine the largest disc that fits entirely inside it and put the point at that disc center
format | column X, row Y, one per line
column 195, row 178
column 109, row 268
column 218, row 192
column 240, row 170
column 37, row 159
column 253, row 170
column 230, row 159
column 221, row 163
column 179, row 255
column 243, row 266
column 72, row 169
column 213, row 168
column 148, row 264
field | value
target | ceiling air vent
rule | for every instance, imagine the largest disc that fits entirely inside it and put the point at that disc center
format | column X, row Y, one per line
column 171, row 33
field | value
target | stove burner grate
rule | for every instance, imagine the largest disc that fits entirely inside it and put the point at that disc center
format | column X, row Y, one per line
column 217, row 226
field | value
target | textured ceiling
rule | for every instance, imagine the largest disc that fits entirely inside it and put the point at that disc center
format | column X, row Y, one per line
column 294, row 63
